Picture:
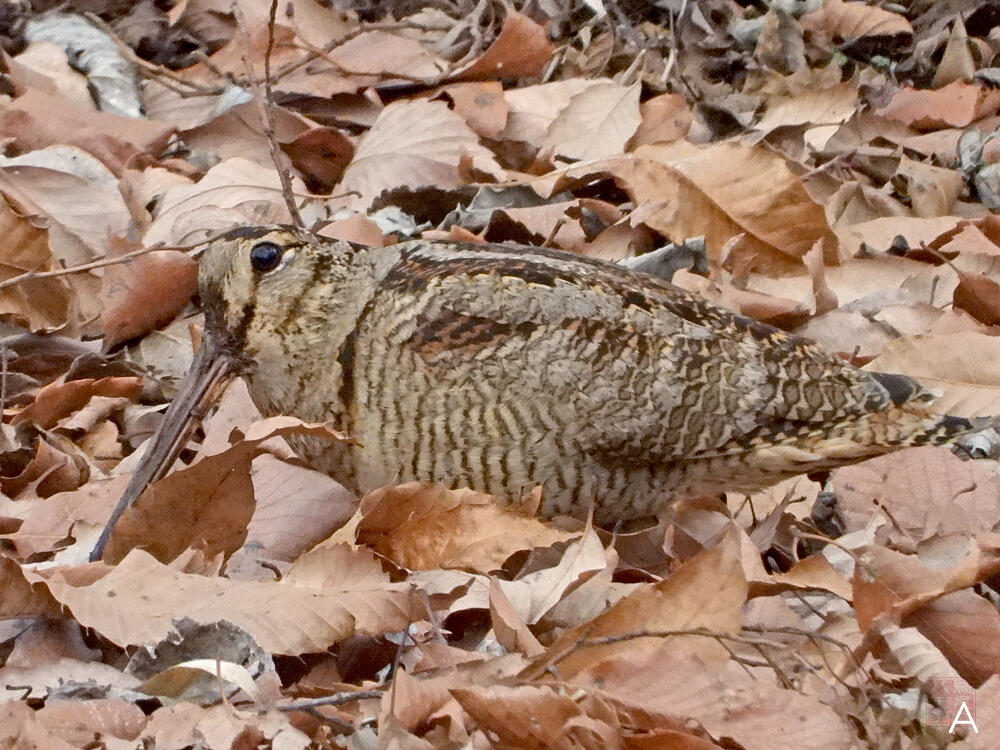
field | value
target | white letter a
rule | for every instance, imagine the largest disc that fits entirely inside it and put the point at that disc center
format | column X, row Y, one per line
column 965, row 722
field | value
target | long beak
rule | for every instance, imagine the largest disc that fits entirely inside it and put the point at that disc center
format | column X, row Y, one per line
column 211, row 371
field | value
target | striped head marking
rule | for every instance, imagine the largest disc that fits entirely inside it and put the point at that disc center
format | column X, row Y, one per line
column 254, row 278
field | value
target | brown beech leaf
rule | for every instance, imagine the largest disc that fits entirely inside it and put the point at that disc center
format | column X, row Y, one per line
column 757, row 711
column 979, row 296
column 957, row 62
column 723, row 190
column 889, row 585
column 54, row 520
column 295, row 508
column 957, row 105
column 58, row 400
column 827, row 106
column 19, row 724
column 137, row 601
column 51, row 469
column 78, row 722
column 533, row 108
column 537, row 593
column 320, row 155
column 965, row 627
column 71, row 190
column 144, row 293
column 355, row 228
column 37, row 303
column 511, row 630
column 520, row 51
column 20, row 598
column 666, row 117
column 482, row 105
column 114, row 139
column 234, row 191
column 423, row 526
column 206, row 506
column 501, row 711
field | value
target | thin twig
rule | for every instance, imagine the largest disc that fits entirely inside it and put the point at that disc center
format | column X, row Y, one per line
column 32, row 275
column 336, row 699
column 265, row 103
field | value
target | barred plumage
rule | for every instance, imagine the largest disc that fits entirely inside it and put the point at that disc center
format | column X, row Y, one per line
column 500, row 368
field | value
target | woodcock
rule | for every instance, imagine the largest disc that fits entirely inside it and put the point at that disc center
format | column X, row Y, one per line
column 500, row 368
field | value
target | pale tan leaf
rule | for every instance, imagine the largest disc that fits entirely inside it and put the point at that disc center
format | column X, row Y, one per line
column 412, row 144
column 597, row 122
column 136, row 602
column 927, row 490
column 71, row 191
column 960, row 365
column 533, row 108
column 234, row 191
column 850, row 21
column 538, row 592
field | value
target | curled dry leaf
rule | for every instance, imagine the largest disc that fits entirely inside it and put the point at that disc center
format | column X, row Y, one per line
column 707, row 592
column 521, row 50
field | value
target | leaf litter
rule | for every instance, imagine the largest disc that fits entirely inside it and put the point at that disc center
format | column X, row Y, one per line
column 837, row 161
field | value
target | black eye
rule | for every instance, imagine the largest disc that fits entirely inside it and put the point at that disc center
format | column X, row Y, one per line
column 265, row 256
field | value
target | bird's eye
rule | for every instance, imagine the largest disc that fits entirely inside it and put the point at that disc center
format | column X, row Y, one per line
column 265, row 256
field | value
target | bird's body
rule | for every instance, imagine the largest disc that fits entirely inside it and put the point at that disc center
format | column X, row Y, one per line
column 502, row 368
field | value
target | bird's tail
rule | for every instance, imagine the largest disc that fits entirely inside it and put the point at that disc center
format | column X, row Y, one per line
column 785, row 453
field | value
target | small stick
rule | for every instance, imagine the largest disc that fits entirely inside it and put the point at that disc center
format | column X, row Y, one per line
column 265, row 101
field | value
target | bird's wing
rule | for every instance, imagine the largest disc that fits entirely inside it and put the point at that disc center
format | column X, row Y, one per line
column 633, row 367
